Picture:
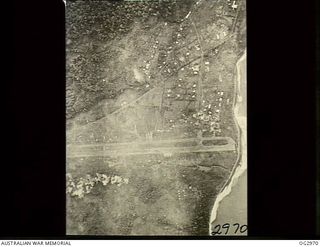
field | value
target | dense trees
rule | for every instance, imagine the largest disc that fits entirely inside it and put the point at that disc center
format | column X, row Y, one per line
column 90, row 25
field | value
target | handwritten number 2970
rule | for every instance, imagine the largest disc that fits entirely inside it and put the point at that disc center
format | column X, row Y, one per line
column 224, row 229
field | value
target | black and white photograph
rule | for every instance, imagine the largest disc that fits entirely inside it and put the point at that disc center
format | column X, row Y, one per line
column 156, row 117
column 160, row 120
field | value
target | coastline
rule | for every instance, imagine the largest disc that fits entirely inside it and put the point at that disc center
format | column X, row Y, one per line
column 241, row 122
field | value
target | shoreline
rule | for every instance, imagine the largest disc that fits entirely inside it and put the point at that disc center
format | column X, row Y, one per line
column 241, row 163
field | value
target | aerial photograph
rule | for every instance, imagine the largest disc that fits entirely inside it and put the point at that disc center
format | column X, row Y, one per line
column 156, row 119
